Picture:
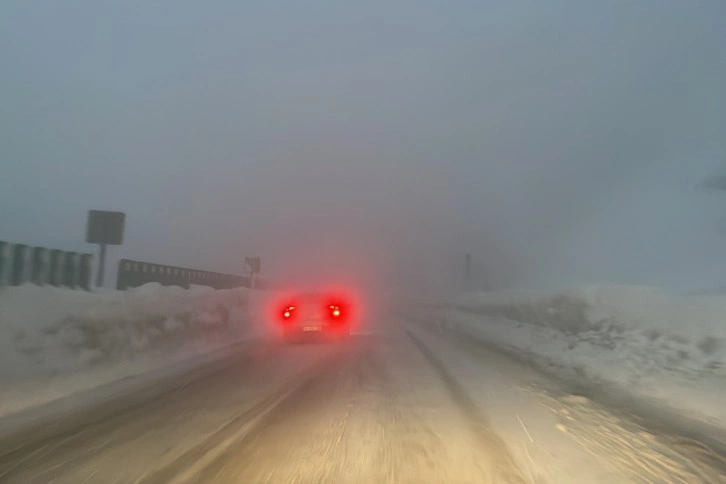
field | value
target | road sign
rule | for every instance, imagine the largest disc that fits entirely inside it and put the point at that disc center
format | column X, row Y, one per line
column 105, row 227
column 254, row 264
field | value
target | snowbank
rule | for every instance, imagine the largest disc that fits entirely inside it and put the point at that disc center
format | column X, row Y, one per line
column 638, row 340
column 54, row 342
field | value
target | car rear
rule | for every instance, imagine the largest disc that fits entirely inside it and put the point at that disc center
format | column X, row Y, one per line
column 314, row 316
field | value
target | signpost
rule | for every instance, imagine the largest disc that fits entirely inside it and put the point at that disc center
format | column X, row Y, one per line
column 254, row 266
column 104, row 228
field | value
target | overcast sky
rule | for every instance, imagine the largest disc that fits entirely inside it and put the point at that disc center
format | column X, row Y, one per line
column 557, row 141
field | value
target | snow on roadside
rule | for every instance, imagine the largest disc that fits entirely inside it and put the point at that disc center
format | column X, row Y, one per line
column 55, row 342
column 641, row 341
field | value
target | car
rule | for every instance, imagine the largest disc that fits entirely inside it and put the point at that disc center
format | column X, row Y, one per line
column 314, row 315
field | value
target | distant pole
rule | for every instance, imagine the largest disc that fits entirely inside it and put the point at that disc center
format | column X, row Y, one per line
column 253, row 264
column 101, row 265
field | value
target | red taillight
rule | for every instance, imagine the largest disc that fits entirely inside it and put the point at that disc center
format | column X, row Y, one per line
column 334, row 311
column 287, row 313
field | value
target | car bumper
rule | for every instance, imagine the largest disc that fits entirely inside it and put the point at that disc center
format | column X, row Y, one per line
column 315, row 330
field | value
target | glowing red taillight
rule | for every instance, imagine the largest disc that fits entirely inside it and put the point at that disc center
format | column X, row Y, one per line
column 287, row 313
column 334, row 311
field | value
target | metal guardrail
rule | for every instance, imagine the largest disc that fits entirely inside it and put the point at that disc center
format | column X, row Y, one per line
column 21, row 263
column 133, row 273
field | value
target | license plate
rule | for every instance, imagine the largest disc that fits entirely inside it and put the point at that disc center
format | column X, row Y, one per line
column 312, row 328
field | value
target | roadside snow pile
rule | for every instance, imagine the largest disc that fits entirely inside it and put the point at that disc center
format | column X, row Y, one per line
column 642, row 340
column 54, row 342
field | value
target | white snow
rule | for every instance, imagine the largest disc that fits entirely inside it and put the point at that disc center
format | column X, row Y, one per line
column 55, row 342
column 641, row 341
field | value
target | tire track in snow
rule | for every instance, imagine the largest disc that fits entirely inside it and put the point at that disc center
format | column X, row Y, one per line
column 503, row 467
column 201, row 462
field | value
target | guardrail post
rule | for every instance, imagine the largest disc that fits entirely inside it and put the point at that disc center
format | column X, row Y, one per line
column 21, row 264
column 6, row 262
column 85, row 271
column 70, row 273
column 40, row 266
column 122, row 274
column 56, row 267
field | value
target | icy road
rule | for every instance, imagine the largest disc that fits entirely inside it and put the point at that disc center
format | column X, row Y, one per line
column 408, row 404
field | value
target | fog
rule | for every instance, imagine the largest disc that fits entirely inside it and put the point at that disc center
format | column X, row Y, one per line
column 374, row 143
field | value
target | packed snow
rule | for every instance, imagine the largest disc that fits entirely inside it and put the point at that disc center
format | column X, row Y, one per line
column 640, row 342
column 55, row 342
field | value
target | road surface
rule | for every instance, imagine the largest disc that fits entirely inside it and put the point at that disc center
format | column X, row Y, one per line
column 408, row 404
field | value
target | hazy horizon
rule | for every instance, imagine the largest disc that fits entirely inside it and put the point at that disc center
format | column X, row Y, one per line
column 374, row 142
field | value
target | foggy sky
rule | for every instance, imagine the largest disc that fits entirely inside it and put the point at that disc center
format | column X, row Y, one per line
column 559, row 142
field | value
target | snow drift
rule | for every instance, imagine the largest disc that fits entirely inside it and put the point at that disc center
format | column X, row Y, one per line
column 54, row 341
column 638, row 340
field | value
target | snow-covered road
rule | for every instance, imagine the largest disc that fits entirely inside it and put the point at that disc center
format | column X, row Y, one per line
column 407, row 403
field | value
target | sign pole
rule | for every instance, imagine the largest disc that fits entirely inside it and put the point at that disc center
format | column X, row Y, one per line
column 101, row 266
column 253, row 265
